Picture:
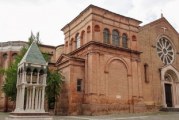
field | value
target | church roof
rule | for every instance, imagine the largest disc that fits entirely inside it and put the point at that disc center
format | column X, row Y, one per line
column 33, row 55
column 158, row 21
column 93, row 6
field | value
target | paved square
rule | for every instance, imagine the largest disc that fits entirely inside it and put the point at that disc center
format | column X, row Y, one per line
column 140, row 116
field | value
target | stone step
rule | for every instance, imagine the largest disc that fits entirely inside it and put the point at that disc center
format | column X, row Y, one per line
column 170, row 109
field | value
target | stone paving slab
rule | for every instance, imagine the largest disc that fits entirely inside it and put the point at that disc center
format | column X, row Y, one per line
column 141, row 116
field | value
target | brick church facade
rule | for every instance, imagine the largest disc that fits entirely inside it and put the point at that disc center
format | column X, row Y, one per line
column 111, row 64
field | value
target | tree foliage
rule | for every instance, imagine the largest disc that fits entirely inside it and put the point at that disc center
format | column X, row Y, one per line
column 54, row 81
column 9, row 87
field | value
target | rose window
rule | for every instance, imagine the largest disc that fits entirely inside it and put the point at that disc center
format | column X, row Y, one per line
column 165, row 50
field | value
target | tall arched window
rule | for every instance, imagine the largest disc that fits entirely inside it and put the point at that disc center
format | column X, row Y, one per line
column 82, row 38
column 106, row 36
column 115, row 38
column 41, row 75
column 146, row 73
column 124, row 40
column 34, row 76
column 88, row 29
column 28, row 75
column 77, row 40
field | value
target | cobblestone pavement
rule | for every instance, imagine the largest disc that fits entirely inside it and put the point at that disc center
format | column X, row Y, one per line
column 142, row 116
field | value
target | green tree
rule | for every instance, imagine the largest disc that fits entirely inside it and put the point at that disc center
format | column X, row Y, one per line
column 9, row 87
column 53, row 88
column 1, row 71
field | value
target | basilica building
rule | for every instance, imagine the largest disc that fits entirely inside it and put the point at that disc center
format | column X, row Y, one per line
column 112, row 64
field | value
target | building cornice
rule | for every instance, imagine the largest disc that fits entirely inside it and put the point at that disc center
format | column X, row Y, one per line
column 106, row 46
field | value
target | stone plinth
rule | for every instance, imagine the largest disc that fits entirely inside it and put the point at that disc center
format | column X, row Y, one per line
column 29, row 116
column 13, row 117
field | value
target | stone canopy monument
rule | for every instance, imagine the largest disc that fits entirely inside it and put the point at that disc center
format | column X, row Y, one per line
column 31, row 83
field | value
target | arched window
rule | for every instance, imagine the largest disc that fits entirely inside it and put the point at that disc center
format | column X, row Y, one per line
column 28, row 75
column 124, row 40
column 115, row 38
column 71, row 41
column 34, row 76
column 72, row 44
column 5, row 64
column 82, row 37
column 106, row 36
column 77, row 40
column 5, row 56
column 14, row 55
column 41, row 73
column 146, row 73
column 134, row 38
column 88, row 29
column 96, row 28
column 66, row 43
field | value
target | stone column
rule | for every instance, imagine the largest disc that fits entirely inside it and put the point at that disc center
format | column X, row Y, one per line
column 130, row 86
column 38, row 78
column 17, row 80
column 25, row 77
column 30, row 97
column 17, row 99
column 36, row 98
column 44, row 79
column 40, row 98
column 31, row 77
column 27, row 99
column 22, row 76
column 33, row 95
column 22, row 97
column 43, row 95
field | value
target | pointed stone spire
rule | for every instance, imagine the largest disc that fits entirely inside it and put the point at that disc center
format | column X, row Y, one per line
column 33, row 55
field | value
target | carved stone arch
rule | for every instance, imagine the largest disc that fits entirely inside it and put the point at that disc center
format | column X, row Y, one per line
column 170, row 86
column 28, row 70
column 41, row 71
column 106, row 69
column 171, row 70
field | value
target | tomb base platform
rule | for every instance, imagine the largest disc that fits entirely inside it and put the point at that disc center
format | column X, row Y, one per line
column 29, row 116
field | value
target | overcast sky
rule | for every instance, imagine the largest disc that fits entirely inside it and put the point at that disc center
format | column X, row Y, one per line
column 19, row 17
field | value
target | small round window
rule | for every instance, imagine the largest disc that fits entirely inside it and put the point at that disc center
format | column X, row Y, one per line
column 165, row 50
